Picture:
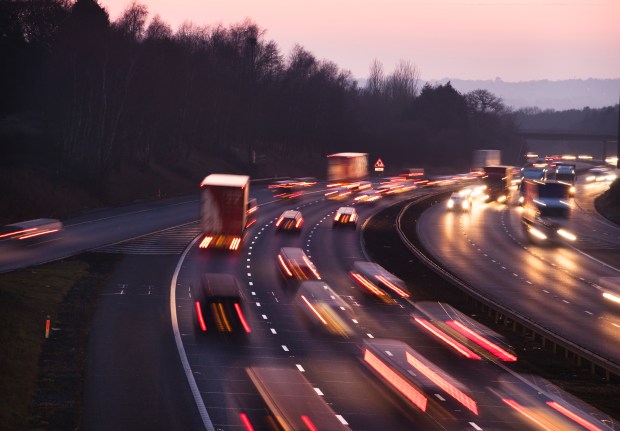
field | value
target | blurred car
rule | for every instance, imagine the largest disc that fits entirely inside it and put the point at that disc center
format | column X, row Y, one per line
column 338, row 193
column 290, row 220
column 323, row 308
column 345, row 216
column 368, row 196
column 295, row 265
column 459, row 201
column 30, row 230
column 218, row 304
column 377, row 281
column 599, row 175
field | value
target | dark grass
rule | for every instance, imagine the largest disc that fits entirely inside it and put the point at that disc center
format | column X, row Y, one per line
column 41, row 379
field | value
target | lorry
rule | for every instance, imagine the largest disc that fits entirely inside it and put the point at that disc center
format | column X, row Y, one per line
column 482, row 158
column 546, row 211
column 346, row 168
column 225, row 210
column 497, row 179
column 565, row 173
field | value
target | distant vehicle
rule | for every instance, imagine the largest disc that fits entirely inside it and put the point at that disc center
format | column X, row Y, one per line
column 360, row 186
column 324, row 308
column 610, row 286
column 345, row 216
column 546, row 211
column 345, row 168
column 459, row 201
column 295, row 265
column 305, row 181
column 287, row 189
column 293, row 402
column 30, row 229
column 338, row 193
column 600, row 174
column 533, row 172
column 564, row 173
column 417, row 175
column 482, row 158
column 368, row 196
column 290, row 220
column 224, row 210
column 498, row 180
column 218, row 304
column 377, row 281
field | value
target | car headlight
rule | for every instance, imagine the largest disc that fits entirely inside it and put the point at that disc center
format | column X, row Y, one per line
column 450, row 203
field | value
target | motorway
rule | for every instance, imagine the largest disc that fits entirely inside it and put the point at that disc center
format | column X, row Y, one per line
column 554, row 286
column 149, row 368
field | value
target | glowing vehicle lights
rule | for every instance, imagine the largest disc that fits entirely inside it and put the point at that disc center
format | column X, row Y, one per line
column 246, row 327
column 392, row 286
column 284, row 267
column 200, row 317
column 314, row 310
column 290, row 220
column 246, row 422
column 217, row 304
column 368, row 285
column 377, row 281
column 443, row 383
column 295, row 265
column 566, row 234
column 481, row 341
column 529, row 414
column 460, row 348
column 30, row 229
column 572, row 416
column 396, row 381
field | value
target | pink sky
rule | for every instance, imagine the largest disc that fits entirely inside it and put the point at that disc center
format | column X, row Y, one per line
column 480, row 39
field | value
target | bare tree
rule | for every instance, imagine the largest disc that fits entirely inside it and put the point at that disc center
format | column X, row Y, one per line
column 133, row 20
column 376, row 78
column 402, row 85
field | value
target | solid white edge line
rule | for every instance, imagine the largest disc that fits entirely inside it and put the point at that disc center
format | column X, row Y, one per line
column 594, row 259
column 202, row 410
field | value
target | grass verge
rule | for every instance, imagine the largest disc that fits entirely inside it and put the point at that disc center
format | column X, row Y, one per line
column 33, row 369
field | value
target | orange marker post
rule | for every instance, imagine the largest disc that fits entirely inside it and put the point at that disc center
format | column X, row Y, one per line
column 47, row 327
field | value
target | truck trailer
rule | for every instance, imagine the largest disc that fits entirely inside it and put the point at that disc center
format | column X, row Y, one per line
column 482, row 158
column 346, row 168
column 224, row 210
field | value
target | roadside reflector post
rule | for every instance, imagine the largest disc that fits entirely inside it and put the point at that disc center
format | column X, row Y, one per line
column 47, row 327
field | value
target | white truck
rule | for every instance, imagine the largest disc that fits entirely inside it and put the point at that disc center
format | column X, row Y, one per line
column 224, row 210
column 482, row 158
column 347, row 168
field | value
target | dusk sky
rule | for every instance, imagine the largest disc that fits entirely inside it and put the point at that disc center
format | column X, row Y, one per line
column 512, row 39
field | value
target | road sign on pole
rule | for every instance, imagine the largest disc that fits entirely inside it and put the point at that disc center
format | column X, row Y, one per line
column 379, row 166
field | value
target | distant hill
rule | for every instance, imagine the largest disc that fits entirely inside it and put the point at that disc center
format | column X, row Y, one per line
column 545, row 94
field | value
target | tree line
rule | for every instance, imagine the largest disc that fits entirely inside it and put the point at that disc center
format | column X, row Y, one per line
column 86, row 97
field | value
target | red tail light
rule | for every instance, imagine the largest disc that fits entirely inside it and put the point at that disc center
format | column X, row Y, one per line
column 307, row 422
column 447, row 339
column 299, row 222
column 246, row 422
column 279, row 221
column 246, row 327
column 400, row 384
column 201, row 320
column 205, row 242
column 481, row 341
